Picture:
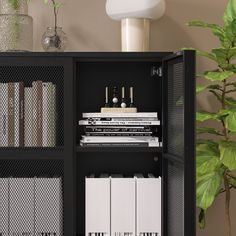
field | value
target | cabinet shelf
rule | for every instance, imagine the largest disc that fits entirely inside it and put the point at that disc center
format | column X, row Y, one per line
column 119, row 149
column 32, row 153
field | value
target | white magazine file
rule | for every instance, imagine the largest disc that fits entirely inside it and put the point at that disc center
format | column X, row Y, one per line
column 148, row 206
column 97, row 216
column 123, row 207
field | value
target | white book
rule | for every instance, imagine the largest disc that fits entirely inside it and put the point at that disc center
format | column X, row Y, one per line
column 34, row 114
column 100, row 122
column 123, row 206
column 46, row 116
column 4, row 115
column 48, row 206
column 21, row 206
column 97, row 206
column 110, row 139
column 4, row 206
column 149, row 206
column 28, row 117
column 17, row 114
column 120, row 144
column 113, row 115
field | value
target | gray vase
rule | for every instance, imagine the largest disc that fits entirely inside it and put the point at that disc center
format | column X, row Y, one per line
column 16, row 26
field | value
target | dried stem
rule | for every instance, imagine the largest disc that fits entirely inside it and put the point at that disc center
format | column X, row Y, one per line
column 227, row 205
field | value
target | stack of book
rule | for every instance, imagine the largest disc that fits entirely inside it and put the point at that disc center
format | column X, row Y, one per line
column 27, row 115
column 120, row 129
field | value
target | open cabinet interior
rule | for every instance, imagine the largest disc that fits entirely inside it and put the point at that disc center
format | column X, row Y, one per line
column 91, row 80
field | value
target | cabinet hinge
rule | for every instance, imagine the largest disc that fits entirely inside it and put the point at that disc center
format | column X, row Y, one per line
column 156, row 71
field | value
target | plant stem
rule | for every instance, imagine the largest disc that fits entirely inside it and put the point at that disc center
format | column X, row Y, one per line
column 223, row 107
column 55, row 16
column 227, row 204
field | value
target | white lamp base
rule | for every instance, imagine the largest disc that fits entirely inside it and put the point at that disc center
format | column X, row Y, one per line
column 135, row 34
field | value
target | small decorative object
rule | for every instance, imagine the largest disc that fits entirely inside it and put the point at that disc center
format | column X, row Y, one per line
column 115, row 108
column 107, row 98
column 115, row 97
column 135, row 16
column 123, row 102
column 54, row 39
column 16, row 27
column 131, row 89
column 216, row 152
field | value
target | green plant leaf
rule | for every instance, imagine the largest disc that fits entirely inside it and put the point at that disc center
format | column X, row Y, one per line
column 228, row 67
column 228, row 154
column 218, row 76
column 230, row 121
column 229, row 101
column 207, row 187
column 230, row 33
column 202, row 219
column 202, row 130
column 208, row 145
column 232, row 181
column 45, row 1
column 203, row 53
column 200, row 88
column 230, row 12
column 216, row 29
column 57, row 5
column 208, row 142
column 204, row 115
column 208, row 157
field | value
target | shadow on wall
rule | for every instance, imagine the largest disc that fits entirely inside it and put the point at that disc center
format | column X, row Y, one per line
column 171, row 32
column 167, row 34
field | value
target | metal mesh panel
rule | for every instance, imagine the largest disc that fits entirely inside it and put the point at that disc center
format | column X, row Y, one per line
column 175, row 201
column 3, row 206
column 175, row 109
column 35, row 187
column 31, row 168
column 31, row 99
column 48, row 207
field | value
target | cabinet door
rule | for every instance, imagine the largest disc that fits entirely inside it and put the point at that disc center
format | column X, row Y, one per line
column 179, row 144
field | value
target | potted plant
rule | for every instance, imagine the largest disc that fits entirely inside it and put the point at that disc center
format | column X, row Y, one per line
column 54, row 39
column 216, row 156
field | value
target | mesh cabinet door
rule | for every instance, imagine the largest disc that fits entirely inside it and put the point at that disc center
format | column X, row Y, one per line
column 179, row 144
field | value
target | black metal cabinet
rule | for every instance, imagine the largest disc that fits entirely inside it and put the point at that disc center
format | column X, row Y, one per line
column 163, row 83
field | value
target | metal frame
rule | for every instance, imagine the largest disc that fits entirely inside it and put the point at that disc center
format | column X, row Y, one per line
column 188, row 163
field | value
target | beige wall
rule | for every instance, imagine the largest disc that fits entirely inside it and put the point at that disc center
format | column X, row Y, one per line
column 89, row 29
